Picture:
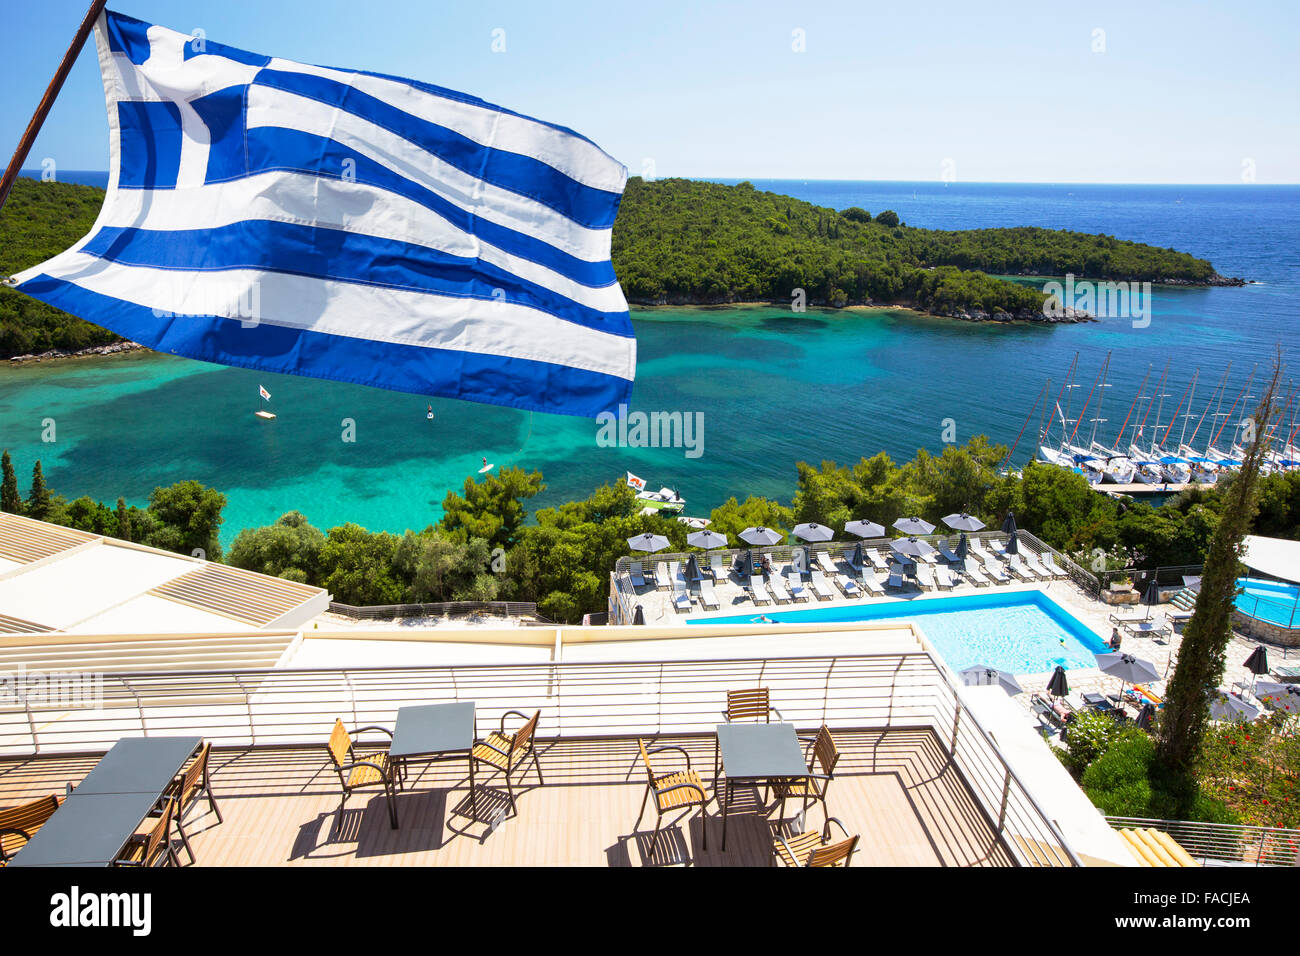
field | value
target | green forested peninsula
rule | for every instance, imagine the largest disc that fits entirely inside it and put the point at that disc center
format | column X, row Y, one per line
column 679, row 241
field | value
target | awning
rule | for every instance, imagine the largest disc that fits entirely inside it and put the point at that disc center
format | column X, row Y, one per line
column 1276, row 557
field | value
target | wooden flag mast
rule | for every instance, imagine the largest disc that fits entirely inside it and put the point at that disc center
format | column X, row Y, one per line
column 47, row 101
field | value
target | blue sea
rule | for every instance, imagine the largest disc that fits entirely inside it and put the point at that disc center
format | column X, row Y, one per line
column 772, row 387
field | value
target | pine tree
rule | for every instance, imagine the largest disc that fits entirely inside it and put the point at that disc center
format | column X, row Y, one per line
column 10, row 500
column 123, row 520
column 1201, row 656
column 38, row 501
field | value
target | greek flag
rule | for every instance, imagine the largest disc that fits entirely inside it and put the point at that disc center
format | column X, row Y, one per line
column 348, row 225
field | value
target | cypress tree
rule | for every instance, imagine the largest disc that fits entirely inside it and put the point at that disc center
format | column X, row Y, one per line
column 1201, row 656
column 123, row 520
column 38, row 502
column 10, row 500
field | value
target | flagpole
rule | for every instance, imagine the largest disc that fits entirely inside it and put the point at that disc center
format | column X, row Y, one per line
column 47, row 101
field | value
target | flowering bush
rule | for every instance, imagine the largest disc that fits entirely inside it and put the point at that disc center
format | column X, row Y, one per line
column 1255, row 769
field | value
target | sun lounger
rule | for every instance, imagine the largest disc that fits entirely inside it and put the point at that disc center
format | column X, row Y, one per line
column 925, row 577
column 871, row 583
column 708, row 596
column 975, row 574
column 995, row 569
column 1034, row 565
column 757, row 592
column 825, row 563
column 1020, row 569
column 1156, row 628
column 716, row 568
column 681, row 600
column 975, row 548
column 779, row 593
column 663, row 580
column 942, row 576
column 820, row 586
column 1287, row 673
column 1049, row 562
column 848, row 585
column 895, row 576
column 877, row 562
column 795, row 582
column 946, row 552
column 679, row 576
column 635, row 573
column 1053, row 713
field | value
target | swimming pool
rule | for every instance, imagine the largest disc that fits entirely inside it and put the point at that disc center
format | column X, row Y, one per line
column 1272, row 601
column 1024, row 632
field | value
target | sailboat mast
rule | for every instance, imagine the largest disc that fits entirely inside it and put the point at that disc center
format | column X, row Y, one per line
column 1188, row 414
column 1222, row 384
column 1119, row 437
column 1162, row 395
column 1174, row 417
column 1244, row 389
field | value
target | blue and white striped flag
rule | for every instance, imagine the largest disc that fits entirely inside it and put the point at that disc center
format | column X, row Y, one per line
column 348, row 225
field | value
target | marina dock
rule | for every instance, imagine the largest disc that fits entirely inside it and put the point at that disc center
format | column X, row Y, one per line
column 1137, row 489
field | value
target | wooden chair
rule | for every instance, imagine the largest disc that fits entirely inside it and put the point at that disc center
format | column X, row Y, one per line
column 822, row 755
column 19, row 824
column 750, row 705
column 510, row 753
column 813, row 848
column 186, row 790
column 676, row 790
column 358, row 771
column 155, row 847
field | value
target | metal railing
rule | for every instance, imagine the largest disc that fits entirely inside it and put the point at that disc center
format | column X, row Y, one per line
column 887, row 691
column 1225, row 843
column 520, row 609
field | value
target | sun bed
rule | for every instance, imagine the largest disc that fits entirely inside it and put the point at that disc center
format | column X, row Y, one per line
column 995, row 569
column 1049, row 562
column 821, row 587
column 942, row 576
column 975, row 574
column 708, row 596
column 925, row 577
column 1287, row 673
column 975, row 547
column 679, row 576
column 1155, row 628
column 1020, row 569
column 778, row 590
column 895, row 576
column 877, row 562
column 871, row 583
column 757, row 592
column 635, row 573
column 946, row 552
column 797, row 591
column 663, row 580
column 848, row 585
column 1034, row 565
column 716, row 568
column 825, row 563
column 681, row 600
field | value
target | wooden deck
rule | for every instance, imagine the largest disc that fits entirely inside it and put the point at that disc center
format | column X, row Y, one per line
column 281, row 808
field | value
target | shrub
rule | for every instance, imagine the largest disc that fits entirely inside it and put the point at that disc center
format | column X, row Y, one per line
column 1090, row 736
column 1128, row 780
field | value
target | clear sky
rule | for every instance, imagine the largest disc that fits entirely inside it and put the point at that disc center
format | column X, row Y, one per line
column 911, row 90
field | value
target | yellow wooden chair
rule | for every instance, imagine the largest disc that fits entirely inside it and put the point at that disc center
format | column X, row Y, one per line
column 813, row 848
column 155, row 847
column 358, row 771
column 822, row 755
column 18, row 824
column 675, row 790
column 509, row 753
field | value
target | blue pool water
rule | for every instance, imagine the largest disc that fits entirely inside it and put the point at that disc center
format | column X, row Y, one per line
column 1024, row 632
column 1270, row 601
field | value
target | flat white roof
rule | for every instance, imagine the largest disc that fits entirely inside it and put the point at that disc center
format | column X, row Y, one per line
column 342, row 652
column 86, row 583
column 755, row 644
column 147, row 614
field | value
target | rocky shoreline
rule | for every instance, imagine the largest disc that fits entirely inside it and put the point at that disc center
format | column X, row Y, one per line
column 113, row 348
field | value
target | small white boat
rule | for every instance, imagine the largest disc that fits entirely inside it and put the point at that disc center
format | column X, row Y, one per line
column 665, row 500
column 263, row 413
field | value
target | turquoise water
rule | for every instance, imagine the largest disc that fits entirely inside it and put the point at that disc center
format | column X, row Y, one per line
column 1023, row 632
column 773, row 387
column 1270, row 601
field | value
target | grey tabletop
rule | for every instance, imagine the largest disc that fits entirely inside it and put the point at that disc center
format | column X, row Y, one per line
column 87, row 830
column 139, row 765
column 432, row 729
column 757, row 751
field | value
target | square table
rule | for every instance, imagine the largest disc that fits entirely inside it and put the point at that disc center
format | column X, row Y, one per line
column 104, row 811
column 435, row 732
column 753, row 752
